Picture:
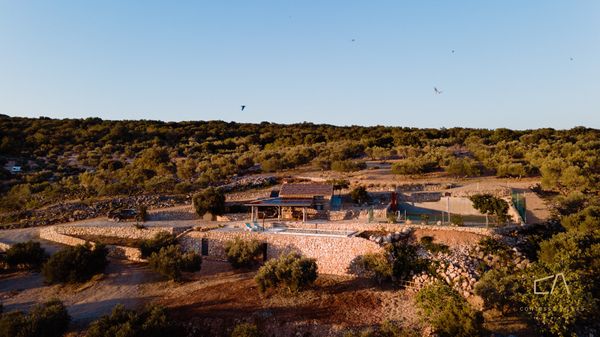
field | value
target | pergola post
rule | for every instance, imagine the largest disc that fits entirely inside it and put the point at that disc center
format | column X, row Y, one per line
column 279, row 213
column 303, row 214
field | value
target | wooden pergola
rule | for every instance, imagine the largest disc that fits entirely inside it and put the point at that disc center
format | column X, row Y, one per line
column 278, row 203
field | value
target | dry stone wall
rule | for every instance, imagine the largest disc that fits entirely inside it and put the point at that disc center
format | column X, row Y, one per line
column 334, row 255
column 128, row 232
column 57, row 234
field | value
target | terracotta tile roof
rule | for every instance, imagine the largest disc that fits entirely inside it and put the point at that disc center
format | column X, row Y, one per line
column 305, row 190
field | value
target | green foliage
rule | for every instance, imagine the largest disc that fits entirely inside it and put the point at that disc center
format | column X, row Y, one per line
column 245, row 330
column 386, row 329
column 28, row 254
column 447, row 312
column 405, row 260
column 211, row 200
column 348, row 166
column 427, row 243
column 154, row 245
column 243, row 253
column 377, row 265
column 75, row 264
column 491, row 205
column 360, row 195
column 498, row 288
column 463, row 167
column 50, row 319
column 290, row 270
column 414, row 166
column 457, row 220
column 171, row 261
column 586, row 220
column 150, row 322
column 511, row 170
column 339, row 184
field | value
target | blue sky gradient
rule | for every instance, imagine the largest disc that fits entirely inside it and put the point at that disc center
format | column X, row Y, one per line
column 294, row 61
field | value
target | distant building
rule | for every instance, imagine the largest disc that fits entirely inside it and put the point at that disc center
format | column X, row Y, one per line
column 295, row 200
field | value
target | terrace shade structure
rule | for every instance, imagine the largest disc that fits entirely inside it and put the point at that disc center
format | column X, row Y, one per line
column 312, row 197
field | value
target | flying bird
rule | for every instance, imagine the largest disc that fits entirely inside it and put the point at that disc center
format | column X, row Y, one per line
column 437, row 91
column 353, row 40
column 243, row 107
column 571, row 59
column 452, row 51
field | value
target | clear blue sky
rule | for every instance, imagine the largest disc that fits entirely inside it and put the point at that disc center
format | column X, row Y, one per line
column 294, row 61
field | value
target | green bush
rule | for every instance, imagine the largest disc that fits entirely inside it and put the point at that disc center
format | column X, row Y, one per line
column 348, row 166
column 290, row 270
column 243, row 253
column 28, row 254
column 463, row 167
column 447, row 312
column 75, row 264
column 497, row 288
column 150, row 322
column 360, row 195
column 171, row 262
column 211, row 200
column 377, row 266
column 405, row 260
column 491, row 205
column 245, row 330
column 414, row 166
column 457, row 220
column 427, row 243
column 50, row 319
column 154, row 245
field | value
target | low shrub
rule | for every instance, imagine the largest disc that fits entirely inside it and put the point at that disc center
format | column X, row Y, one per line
column 245, row 330
column 497, row 288
column 377, row 266
column 243, row 253
column 447, row 312
column 427, row 243
column 75, row 264
column 50, row 319
column 386, row 329
column 28, row 254
column 290, row 270
column 348, row 166
column 405, row 260
column 171, row 261
column 154, row 245
column 457, row 220
column 150, row 322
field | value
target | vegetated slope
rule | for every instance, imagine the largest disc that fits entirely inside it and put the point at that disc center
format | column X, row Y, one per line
column 90, row 158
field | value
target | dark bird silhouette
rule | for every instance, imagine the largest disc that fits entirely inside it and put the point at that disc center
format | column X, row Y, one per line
column 243, row 107
column 452, row 51
column 353, row 40
column 437, row 91
column 571, row 59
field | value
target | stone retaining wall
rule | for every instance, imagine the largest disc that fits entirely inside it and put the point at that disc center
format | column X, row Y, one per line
column 389, row 227
column 4, row 247
column 53, row 233
column 334, row 255
column 128, row 232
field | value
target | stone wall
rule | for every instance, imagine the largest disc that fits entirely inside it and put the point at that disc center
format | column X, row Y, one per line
column 56, row 234
column 4, row 247
column 334, row 255
column 389, row 227
column 129, row 232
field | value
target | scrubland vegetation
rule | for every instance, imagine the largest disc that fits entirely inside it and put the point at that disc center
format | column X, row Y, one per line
column 90, row 159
